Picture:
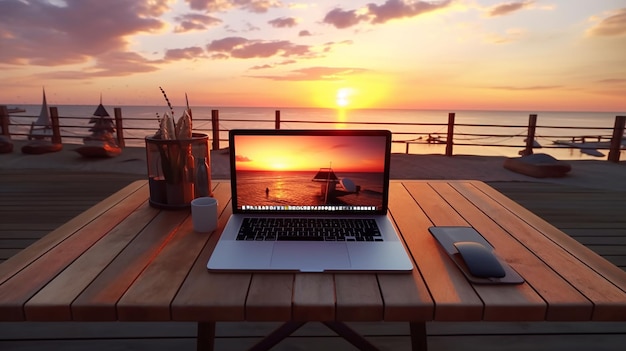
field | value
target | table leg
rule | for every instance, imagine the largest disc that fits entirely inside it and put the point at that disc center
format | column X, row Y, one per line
column 351, row 336
column 418, row 336
column 277, row 336
column 206, row 336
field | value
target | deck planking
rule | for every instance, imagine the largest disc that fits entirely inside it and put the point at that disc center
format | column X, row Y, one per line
column 34, row 204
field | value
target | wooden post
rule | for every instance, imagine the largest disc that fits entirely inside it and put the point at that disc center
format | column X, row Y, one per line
column 4, row 121
column 215, row 128
column 56, row 129
column 277, row 122
column 616, row 139
column 450, row 136
column 530, row 137
column 119, row 127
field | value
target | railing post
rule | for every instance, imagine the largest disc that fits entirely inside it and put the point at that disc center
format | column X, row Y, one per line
column 616, row 139
column 215, row 128
column 530, row 137
column 4, row 120
column 277, row 121
column 119, row 127
column 56, row 129
column 450, row 136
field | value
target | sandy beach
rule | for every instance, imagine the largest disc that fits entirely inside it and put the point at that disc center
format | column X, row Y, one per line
column 599, row 174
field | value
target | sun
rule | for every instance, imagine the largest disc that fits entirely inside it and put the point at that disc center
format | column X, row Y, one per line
column 343, row 97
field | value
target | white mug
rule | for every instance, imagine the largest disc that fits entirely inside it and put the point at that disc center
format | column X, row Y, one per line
column 204, row 214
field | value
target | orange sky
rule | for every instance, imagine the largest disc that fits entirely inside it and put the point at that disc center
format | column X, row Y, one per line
column 301, row 153
column 531, row 55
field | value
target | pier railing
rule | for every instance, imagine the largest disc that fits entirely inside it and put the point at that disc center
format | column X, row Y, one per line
column 406, row 133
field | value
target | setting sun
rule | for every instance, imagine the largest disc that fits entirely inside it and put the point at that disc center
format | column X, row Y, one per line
column 343, row 97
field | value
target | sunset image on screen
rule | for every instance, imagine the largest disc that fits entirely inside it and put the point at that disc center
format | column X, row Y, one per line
column 309, row 153
column 291, row 170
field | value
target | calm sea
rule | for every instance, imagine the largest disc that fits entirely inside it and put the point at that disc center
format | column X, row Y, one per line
column 140, row 121
column 257, row 188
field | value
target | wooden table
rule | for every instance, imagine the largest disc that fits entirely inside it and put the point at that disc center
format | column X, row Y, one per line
column 124, row 260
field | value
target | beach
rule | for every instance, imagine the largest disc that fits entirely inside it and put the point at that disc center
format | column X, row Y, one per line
column 597, row 174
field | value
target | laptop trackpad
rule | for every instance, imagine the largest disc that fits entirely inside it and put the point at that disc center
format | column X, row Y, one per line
column 310, row 256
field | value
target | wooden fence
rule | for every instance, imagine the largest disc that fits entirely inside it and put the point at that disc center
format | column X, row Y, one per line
column 614, row 149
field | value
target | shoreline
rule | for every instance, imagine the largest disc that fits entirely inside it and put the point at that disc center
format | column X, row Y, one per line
column 598, row 174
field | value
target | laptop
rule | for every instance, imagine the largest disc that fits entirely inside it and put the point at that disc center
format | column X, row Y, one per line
column 309, row 201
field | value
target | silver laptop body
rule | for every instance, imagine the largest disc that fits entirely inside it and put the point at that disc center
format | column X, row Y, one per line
column 304, row 177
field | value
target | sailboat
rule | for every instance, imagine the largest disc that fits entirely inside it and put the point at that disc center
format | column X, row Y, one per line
column 329, row 182
column 101, row 142
column 42, row 127
column 41, row 134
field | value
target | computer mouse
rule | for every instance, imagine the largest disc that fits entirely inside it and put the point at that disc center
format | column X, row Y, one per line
column 480, row 260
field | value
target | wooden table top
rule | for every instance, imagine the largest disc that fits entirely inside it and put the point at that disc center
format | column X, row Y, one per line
column 124, row 260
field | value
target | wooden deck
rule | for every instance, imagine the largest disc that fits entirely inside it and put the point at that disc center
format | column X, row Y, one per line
column 31, row 205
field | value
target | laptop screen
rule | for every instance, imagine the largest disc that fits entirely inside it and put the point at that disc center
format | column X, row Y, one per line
column 310, row 171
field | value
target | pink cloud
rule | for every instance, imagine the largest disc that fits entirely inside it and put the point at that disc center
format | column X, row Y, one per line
column 256, row 6
column 185, row 54
column 507, row 8
column 378, row 14
column 283, row 22
column 40, row 33
column 343, row 19
column 237, row 47
column 614, row 25
column 393, row 9
column 194, row 21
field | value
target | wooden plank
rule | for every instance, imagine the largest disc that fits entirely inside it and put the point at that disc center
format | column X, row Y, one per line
column 53, row 301
column 607, row 298
column 563, row 301
column 269, row 297
column 15, row 291
column 314, row 297
column 28, row 255
column 500, row 302
column 453, row 297
column 209, row 296
column 358, row 297
column 98, row 301
column 148, row 299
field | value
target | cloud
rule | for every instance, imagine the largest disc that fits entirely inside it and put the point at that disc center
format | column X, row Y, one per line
column 242, row 48
column 343, row 19
column 283, row 22
column 194, row 21
column 379, row 14
column 508, row 8
column 393, row 9
column 240, row 158
column 317, row 73
column 40, row 33
column 304, row 33
column 114, row 64
column 255, row 6
column 185, row 54
column 614, row 25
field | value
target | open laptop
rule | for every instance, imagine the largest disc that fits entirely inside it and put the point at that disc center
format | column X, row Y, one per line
column 310, row 201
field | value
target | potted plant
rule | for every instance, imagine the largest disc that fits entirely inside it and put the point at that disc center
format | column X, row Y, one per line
column 171, row 155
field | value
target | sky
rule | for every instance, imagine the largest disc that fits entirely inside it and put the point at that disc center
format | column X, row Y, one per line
column 302, row 153
column 537, row 55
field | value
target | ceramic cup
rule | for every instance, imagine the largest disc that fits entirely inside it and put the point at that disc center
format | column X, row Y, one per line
column 204, row 214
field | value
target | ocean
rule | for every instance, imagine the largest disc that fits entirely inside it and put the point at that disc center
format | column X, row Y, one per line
column 282, row 189
column 503, row 131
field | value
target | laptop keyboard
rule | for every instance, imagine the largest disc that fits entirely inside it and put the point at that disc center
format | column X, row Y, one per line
column 309, row 229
